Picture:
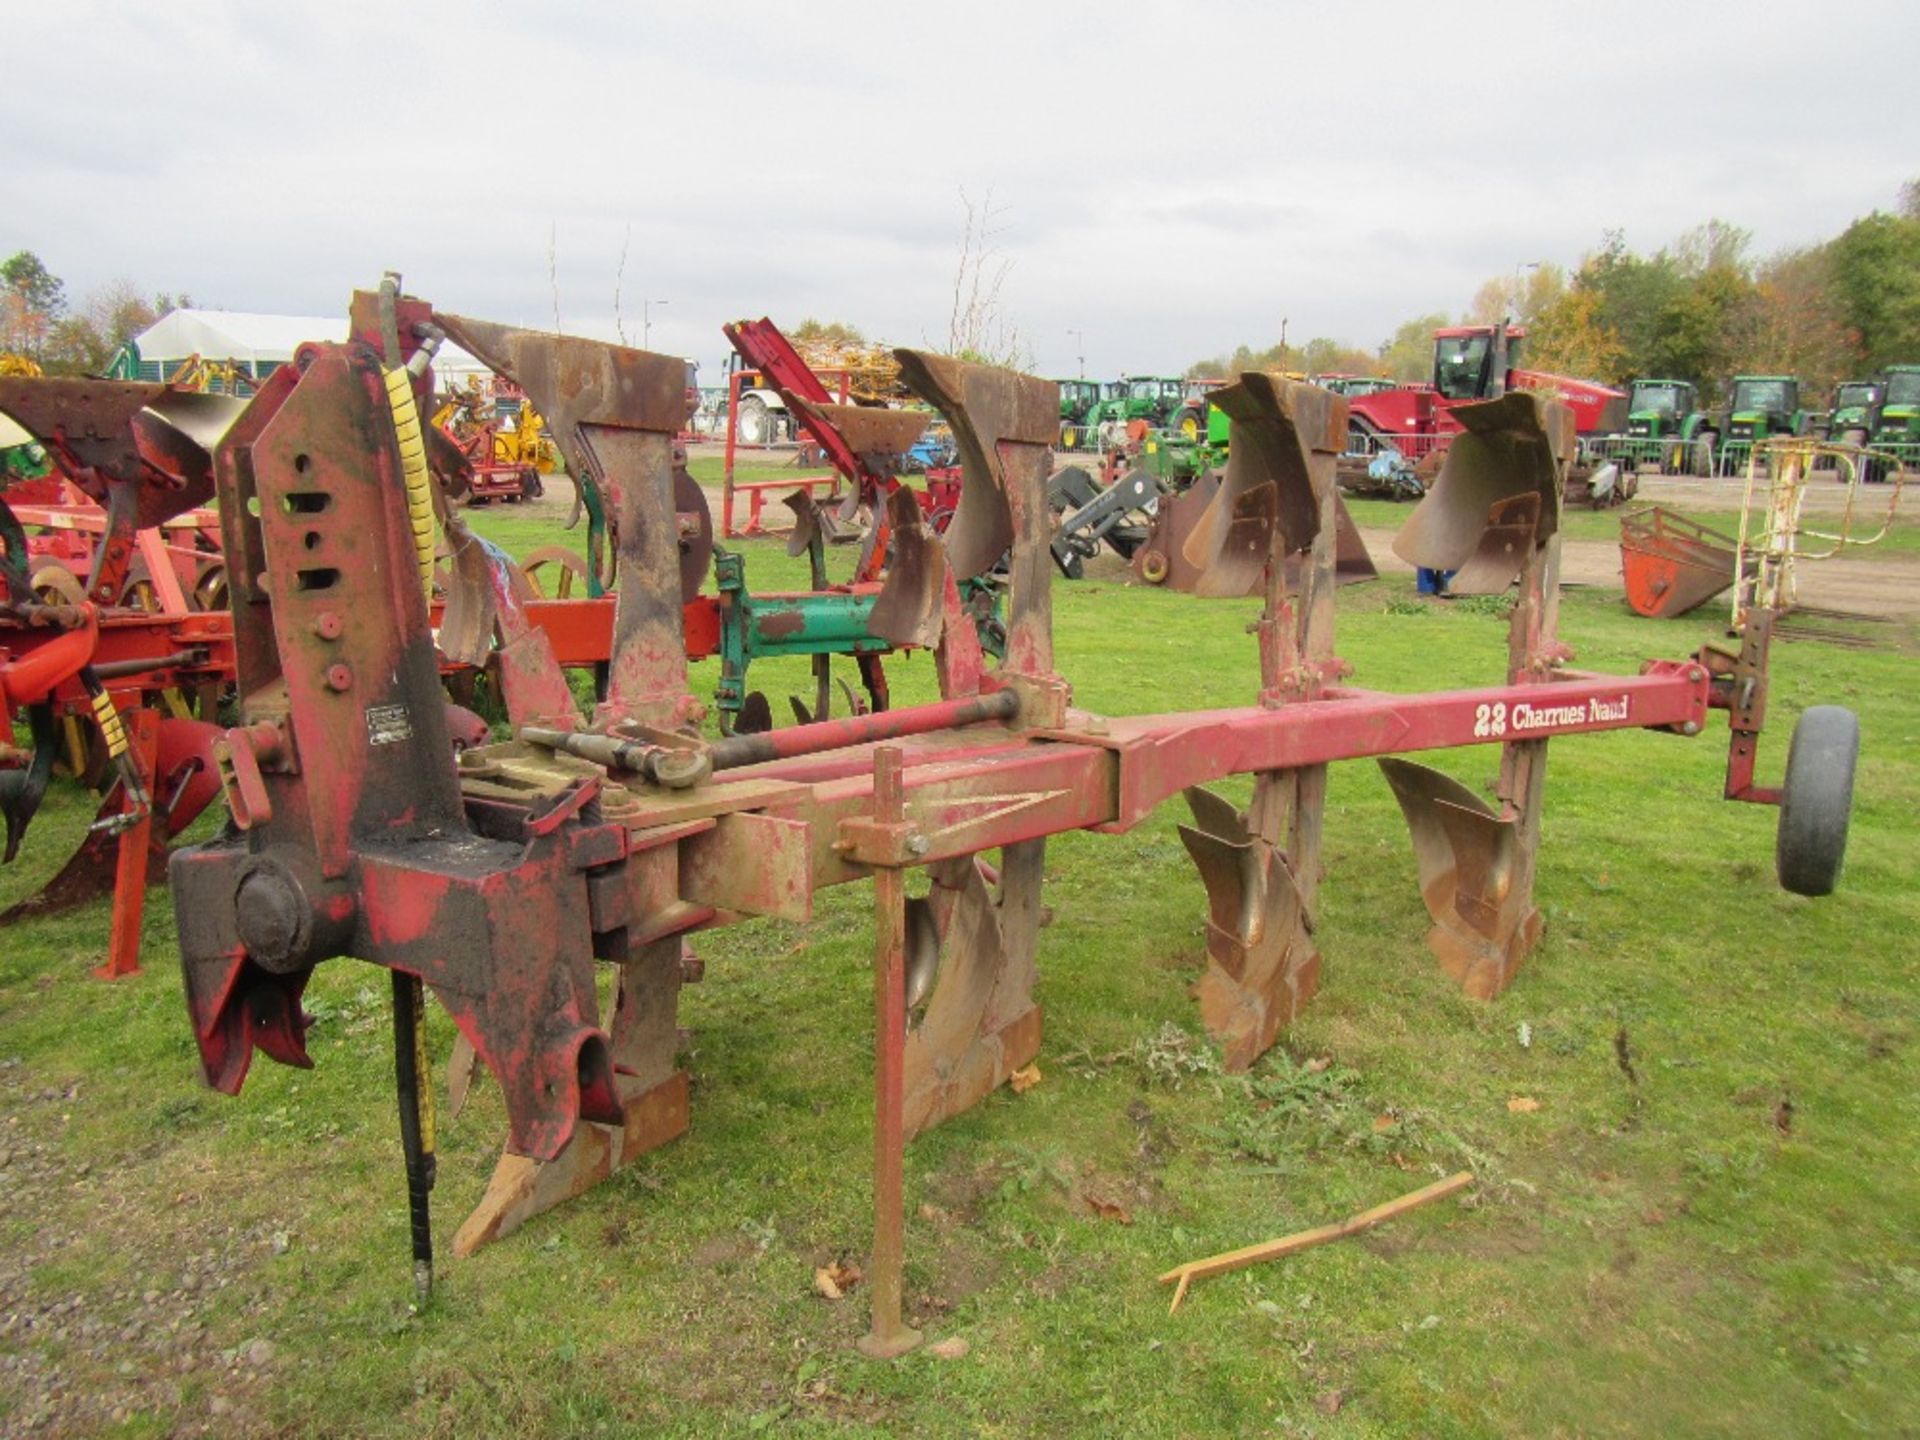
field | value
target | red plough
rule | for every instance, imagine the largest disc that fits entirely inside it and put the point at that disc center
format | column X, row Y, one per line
column 498, row 881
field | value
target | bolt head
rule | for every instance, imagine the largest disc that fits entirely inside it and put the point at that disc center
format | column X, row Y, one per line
column 918, row 844
column 339, row 677
column 328, row 625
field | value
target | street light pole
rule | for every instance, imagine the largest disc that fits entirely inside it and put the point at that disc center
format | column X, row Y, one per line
column 646, row 320
column 1080, row 347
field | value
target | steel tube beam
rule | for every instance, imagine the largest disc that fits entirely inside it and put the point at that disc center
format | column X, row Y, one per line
column 794, row 740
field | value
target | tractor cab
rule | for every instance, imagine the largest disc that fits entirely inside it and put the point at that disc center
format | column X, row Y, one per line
column 1763, row 405
column 1902, row 389
column 1896, row 429
column 1658, row 406
column 1851, row 415
column 1196, row 418
column 1153, row 397
column 1077, row 397
column 1464, row 361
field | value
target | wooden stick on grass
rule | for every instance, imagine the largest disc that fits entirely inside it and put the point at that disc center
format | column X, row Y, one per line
column 1307, row 1239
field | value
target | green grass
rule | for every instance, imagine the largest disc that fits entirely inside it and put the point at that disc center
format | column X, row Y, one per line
column 1668, row 1252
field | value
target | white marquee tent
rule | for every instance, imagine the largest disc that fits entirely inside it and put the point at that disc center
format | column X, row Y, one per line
column 258, row 343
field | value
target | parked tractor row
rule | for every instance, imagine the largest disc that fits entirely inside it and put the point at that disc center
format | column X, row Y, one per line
column 1668, row 428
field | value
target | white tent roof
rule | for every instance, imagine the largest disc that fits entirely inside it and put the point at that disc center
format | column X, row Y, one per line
column 242, row 335
column 234, row 335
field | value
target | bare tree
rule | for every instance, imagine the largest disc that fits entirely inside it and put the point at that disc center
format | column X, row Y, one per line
column 619, row 276
column 978, row 328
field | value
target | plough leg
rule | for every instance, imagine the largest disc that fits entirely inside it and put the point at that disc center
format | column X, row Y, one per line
column 1276, row 524
column 652, row 1093
column 1495, row 505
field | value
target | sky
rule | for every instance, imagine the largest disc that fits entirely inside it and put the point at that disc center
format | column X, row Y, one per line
column 1166, row 181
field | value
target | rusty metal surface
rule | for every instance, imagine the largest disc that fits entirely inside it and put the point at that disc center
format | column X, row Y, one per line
column 1262, row 965
column 878, row 435
column 1268, row 506
column 1513, row 523
column 1484, row 920
column 1517, row 444
column 987, row 408
column 1671, row 564
column 909, row 608
column 1161, row 559
column 549, row 861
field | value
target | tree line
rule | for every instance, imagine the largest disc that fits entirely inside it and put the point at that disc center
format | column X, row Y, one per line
column 1702, row 308
column 38, row 323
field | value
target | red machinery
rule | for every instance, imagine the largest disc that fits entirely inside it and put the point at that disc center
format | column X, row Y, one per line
column 485, row 477
column 141, row 454
column 499, row 880
column 864, row 443
column 167, row 641
column 1473, row 362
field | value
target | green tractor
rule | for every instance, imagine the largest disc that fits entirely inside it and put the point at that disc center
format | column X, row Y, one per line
column 1849, row 418
column 1190, row 422
column 1152, row 398
column 1759, row 407
column 1078, row 400
column 1662, row 416
column 1896, row 428
column 1850, row 421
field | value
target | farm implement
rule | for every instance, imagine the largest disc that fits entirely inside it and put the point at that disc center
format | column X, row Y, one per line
column 1673, row 565
column 497, row 881
column 126, row 691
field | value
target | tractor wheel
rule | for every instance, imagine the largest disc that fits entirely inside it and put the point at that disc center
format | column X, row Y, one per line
column 1674, row 462
column 1188, row 425
column 756, row 421
column 1704, row 454
column 1817, row 800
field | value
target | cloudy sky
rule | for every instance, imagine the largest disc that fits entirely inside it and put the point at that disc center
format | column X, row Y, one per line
column 1168, row 180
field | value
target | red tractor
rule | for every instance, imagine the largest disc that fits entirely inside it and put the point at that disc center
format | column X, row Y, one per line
column 1472, row 362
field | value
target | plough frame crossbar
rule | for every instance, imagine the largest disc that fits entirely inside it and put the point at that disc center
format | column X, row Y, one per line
column 1109, row 774
column 500, row 879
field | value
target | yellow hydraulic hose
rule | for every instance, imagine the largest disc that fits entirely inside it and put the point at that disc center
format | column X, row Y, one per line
column 413, row 469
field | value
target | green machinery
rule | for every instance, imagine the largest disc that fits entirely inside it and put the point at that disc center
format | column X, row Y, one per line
column 1078, row 400
column 1183, row 453
column 1850, row 420
column 820, row 623
column 1152, row 398
column 1759, row 407
column 1662, row 418
column 1896, row 429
